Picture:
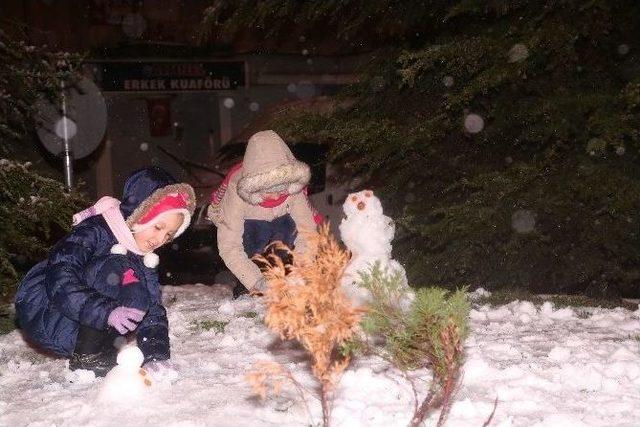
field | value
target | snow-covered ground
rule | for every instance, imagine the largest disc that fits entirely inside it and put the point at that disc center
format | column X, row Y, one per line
column 546, row 366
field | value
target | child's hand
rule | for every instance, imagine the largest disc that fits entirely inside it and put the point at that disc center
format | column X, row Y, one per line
column 260, row 287
column 159, row 365
column 125, row 319
column 161, row 369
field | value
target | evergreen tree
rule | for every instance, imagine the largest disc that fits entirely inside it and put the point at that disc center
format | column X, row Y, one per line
column 34, row 209
column 503, row 134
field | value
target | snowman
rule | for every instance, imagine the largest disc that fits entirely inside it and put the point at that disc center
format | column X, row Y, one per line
column 127, row 381
column 368, row 233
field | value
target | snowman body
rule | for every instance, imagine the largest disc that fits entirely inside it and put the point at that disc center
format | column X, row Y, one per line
column 127, row 381
column 367, row 233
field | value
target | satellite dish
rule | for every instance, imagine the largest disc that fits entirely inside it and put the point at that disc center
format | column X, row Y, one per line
column 82, row 120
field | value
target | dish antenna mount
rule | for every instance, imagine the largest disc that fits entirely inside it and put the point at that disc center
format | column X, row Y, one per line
column 75, row 128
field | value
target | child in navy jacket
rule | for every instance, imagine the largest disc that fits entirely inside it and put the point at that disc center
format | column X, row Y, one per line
column 100, row 280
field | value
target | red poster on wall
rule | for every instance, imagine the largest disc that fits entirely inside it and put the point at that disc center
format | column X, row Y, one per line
column 159, row 110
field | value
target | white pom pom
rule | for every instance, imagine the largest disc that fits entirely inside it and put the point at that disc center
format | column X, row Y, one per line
column 151, row 260
column 118, row 249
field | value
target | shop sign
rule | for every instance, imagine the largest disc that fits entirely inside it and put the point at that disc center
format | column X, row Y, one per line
column 192, row 76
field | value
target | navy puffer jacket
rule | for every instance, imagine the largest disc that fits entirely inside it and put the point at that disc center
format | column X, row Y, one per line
column 81, row 282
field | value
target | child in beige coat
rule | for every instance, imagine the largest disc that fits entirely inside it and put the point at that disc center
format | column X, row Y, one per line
column 261, row 200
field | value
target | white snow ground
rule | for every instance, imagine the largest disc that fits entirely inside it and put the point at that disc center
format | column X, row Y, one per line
column 548, row 367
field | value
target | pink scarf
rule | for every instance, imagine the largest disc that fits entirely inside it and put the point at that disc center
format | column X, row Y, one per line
column 109, row 208
column 272, row 203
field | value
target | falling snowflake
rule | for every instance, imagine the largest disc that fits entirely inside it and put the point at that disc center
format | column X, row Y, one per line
column 66, row 127
column 144, row 146
column 254, row 106
column 620, row 150
column 473, row 123
column 305, row 90
column 291, row 87
column 523, row 221
column 596, row 146
column 113, row 279
column 623, row 49
column 229, row 103
column 518, row 53
column 447, row 81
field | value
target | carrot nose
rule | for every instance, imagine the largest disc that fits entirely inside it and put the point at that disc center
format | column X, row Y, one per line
column 361, row 206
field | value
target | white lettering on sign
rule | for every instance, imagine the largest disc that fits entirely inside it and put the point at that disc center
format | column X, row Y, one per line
column 207, row 83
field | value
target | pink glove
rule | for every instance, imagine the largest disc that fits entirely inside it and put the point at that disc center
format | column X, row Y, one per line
column 125, row 319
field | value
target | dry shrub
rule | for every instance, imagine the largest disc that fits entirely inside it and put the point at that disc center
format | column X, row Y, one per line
column 305, row 302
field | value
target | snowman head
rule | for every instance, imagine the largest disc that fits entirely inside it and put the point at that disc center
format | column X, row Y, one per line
column 362, row 204
column 130, row 357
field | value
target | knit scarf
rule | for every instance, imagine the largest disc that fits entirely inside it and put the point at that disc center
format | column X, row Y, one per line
column 109, row 208
column 272, row 203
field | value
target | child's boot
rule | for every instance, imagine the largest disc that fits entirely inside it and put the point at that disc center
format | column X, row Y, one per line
column 99, row 363
column 94, row 351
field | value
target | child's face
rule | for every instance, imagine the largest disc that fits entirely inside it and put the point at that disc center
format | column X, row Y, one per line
column 159, row 233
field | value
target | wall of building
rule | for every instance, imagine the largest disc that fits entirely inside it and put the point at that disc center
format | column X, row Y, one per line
column 201, row 121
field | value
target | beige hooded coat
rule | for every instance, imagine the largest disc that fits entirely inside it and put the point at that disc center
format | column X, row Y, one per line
column 267, row 162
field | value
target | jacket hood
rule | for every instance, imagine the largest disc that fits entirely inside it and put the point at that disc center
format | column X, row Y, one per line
column 268, row 162
column 146, row 187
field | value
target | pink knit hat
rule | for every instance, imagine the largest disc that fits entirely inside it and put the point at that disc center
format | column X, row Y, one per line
column 171, row 203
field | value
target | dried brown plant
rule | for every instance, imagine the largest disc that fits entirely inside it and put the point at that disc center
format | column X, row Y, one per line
column 305, row 302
